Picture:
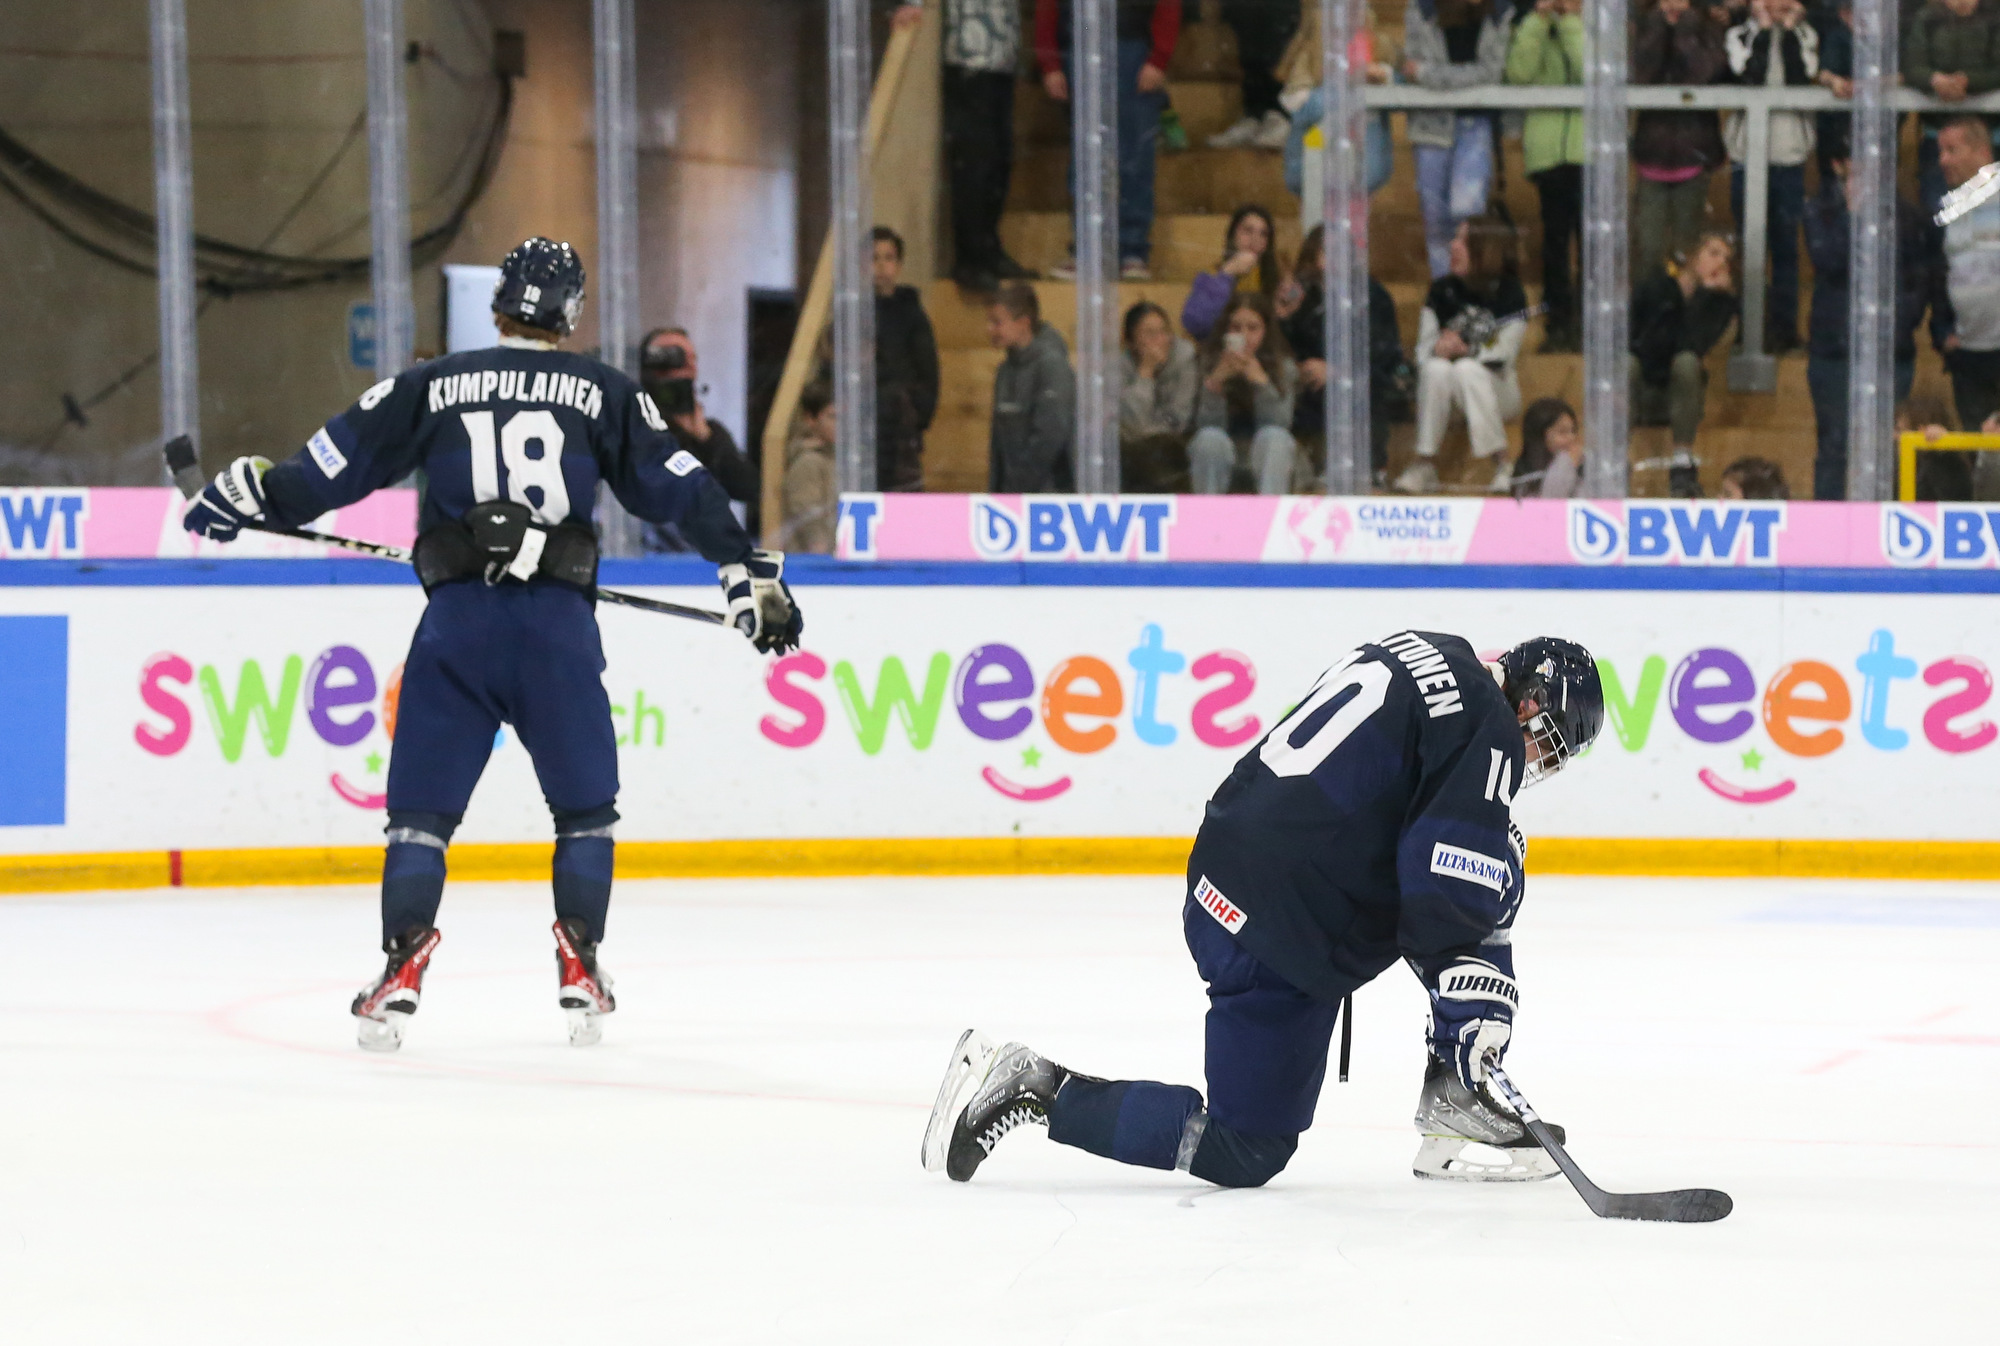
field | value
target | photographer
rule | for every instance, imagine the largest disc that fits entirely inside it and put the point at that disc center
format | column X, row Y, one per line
column 668, row 371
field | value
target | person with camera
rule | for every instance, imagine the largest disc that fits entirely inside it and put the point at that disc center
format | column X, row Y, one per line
column 668, row 370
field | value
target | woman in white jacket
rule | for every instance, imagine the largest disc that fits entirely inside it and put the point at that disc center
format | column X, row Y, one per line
column 1468, row 342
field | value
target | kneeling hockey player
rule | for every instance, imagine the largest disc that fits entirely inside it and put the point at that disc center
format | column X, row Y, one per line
column 1371, row 824
column 513, row 441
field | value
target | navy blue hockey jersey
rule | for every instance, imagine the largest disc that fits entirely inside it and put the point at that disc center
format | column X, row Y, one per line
column 1373, row 822
column 509, row 423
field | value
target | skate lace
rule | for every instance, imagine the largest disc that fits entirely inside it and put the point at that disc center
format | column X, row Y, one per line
column 1021, row 1114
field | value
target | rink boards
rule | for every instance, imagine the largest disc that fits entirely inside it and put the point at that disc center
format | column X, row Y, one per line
column 223, row 722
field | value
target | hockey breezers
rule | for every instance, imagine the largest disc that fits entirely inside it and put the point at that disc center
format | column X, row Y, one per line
column 181, row 461
column 1694, row 1205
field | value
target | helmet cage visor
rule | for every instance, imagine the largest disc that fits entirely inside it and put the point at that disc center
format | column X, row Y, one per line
column 1548, row 751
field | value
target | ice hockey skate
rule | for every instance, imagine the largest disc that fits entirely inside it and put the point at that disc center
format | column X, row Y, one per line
column 985, row 1094
column 586, row 987
column 384, row 1008
column 1471, row 1136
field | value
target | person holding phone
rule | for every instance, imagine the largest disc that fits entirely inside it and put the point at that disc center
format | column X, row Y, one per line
column 1243, row 413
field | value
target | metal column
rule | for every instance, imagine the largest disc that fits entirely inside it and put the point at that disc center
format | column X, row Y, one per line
column 617, row 278
column 173, row 202
column 1607, row 286
column 388, row 188
column 1348, row 470
column 1094, row 146
column 848, row 73
column 1871, row 389
column 1751, row 369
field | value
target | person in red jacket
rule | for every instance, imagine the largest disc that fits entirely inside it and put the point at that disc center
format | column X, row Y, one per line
column 1148, row 31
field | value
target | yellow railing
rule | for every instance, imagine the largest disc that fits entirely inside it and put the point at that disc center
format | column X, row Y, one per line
column 1913, row 443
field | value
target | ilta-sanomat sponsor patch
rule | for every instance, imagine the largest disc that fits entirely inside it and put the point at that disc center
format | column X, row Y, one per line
column 1227, row 913
column 683, row 463
column 1457, row 863
column 1478, row 981
column 326, row 453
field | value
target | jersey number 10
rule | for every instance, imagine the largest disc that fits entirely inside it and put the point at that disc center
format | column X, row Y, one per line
column 1347, row 694
column 542, row 475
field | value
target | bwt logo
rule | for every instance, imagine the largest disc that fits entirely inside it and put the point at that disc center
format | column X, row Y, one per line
column 1697, row 533
column 860, row 521
column 1072, row 528
column 1962, row 538
column 42, row 523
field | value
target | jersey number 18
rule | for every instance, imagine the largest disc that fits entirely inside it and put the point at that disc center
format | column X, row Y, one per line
column 542, row 475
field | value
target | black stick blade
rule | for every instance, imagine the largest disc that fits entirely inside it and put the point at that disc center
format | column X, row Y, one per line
column 1695, row 1205
column 180, row 453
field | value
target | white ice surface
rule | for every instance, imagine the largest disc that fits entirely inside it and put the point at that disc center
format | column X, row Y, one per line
column 192, row 1149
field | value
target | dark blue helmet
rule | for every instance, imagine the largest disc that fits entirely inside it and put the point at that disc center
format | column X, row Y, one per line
column 1560, row 677
column 541, row 285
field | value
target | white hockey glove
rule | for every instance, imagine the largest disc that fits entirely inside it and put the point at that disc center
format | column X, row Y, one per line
column 1472, row 1015
column 229, row 504
column 760, row 602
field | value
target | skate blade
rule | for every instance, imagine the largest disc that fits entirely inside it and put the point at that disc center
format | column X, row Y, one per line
column 585, row 1029
column 381, row 1035
column 970, row 1060
column 1456, row 1159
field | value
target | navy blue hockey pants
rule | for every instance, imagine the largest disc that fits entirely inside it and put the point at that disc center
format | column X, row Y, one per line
column 527, row 655
column 1267, row 1044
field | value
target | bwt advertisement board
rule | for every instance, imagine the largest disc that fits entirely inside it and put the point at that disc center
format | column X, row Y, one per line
column 264, row 714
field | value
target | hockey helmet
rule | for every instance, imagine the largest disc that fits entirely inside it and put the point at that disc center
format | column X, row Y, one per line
column 1560, row 677
column 541, row 286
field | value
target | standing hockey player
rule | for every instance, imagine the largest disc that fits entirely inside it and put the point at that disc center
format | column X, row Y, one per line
column 1371, row 824
column 513, row 441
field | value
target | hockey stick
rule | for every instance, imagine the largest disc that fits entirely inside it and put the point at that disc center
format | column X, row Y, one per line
column 181, row 461
column 1969, row 195
column 1694, row 1205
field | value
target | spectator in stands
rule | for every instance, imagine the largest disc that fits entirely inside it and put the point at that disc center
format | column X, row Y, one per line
column 1951, row 50
column 1243, row 413
column 1551, row 463
column 1835, row 22
column 1301, row 312
column 1249, row 261
column 1827, row 224
column 1674, row 152
column 1680, row 310
column 1753, row 479
column 1775, row 47
column 982, row 56
column 906, row 370
column 1966, row 321
column 1304, row 97
column 1453, row 44
column 1148, row 31
column 669, row 371
column 1034, row 398
column 1469, row 339
column 1548, row 49
column 1263, row 29
column 1156, row 408
column 812, row 502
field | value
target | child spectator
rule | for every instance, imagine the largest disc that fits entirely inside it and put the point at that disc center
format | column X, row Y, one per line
column 1548, row 49
column 1753, row 479
column 1551, row 463
column 1966, row 321
column 1950, row 50
column 811, row 503
column 1156, row 409
column 1263, row 28
column 1453, row 44
column 1940, row 476
column 906, row 370
column 1034, row 398
column 1469, row 339
column 1301, row 310
column 982, row 54
column 1776, row 47
column 1249, row 260
column 1243, row 413
column 1680, row 310
column 1674, row 152
column 1148, row 31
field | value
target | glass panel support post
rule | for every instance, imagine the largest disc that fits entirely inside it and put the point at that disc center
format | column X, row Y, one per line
column 617, row 281
column 1094, row 147
column 1345, row 254
column 388, row 187
column 173, row 203
column 1607, row 285
column 1871, row 310
column 849, row 76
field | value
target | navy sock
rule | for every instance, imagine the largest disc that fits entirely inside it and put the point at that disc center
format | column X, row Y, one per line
column 413, row 870
column 582, row 878
column 1132, row 1121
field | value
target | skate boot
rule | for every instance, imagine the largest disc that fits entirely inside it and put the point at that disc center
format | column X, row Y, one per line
column 386, row 1006
column 586, row 987
column 1471, row 1136
column 985, row 1094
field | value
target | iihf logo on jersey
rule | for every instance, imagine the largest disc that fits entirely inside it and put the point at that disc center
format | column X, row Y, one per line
column 1072, row 528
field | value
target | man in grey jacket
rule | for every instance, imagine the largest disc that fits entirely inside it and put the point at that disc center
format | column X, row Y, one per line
column 1034, row 398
